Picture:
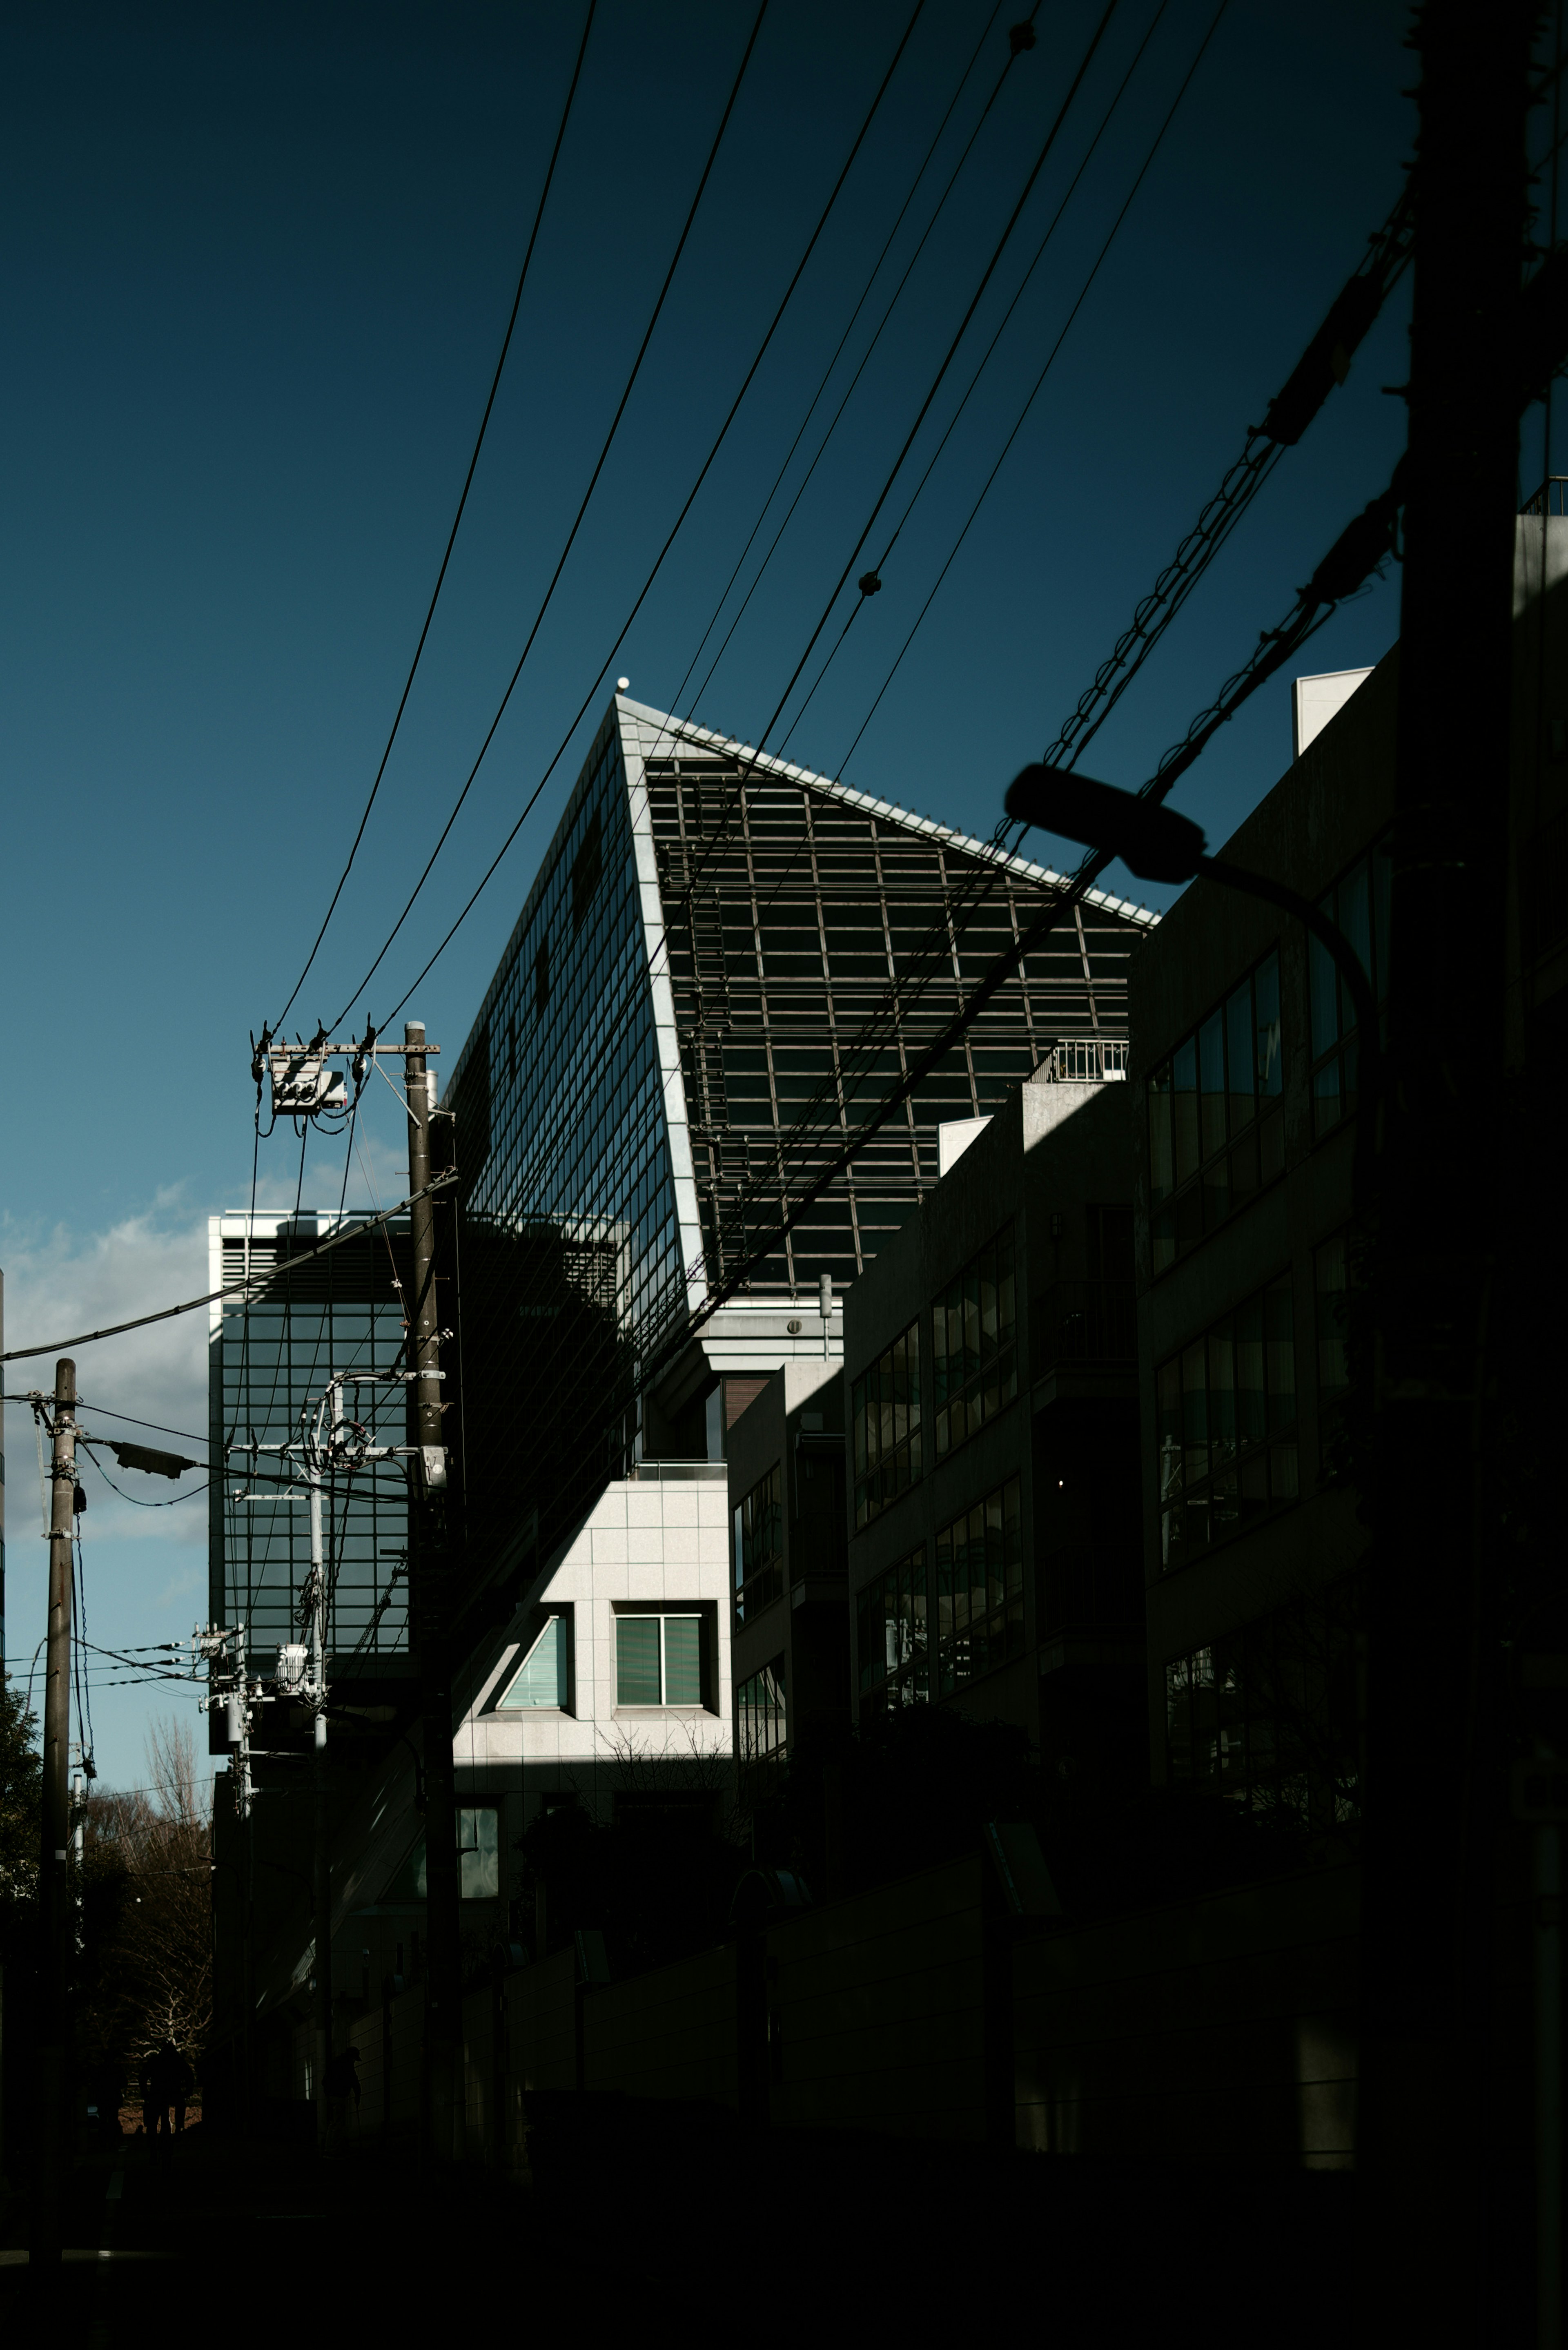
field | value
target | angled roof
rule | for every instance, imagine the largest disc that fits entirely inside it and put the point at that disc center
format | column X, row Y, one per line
column 657, row 735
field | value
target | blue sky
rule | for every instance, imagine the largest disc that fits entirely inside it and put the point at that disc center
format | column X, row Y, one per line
column 256, row 270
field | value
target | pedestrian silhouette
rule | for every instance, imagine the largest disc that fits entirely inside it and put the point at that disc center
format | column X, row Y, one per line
column 166, row 2081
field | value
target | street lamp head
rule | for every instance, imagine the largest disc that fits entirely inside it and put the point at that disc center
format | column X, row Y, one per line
column 1154, row 842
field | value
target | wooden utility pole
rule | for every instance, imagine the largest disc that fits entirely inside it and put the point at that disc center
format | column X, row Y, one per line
column 55, row 1908
column 321, row 1838
column 1434, row 1796
column 429, row 1568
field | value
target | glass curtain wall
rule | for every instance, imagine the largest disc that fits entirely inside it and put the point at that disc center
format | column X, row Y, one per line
column 795, row 920
column 273, row 1359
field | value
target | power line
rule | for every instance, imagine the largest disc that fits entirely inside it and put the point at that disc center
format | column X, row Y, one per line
column 1017, row 47
column 587, row 494
column 457, row 518
column 658, row 565
column 881, row 565
column 986, row 275
column 227, row 1289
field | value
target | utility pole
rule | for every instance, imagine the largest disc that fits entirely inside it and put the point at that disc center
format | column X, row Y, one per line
column 321, row 1842
column 55, row 1923
column 1434, row 1794
column 429, row 1580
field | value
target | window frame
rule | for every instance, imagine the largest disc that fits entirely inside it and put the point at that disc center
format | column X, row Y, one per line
column 1206, row 1166
column 988, row 1379
column 887, row 1426
column 957, row 1626
column 640, row 1612
column 1334, row 1059
column 1252, row 1472
column 761, row 1584
column 505, row 1702
column 881, row 1689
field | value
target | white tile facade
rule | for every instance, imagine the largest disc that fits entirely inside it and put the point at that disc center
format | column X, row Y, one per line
column 662, row 1541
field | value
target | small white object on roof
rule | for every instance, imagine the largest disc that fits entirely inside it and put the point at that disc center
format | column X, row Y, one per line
column 1316, row 699
column 621, row 684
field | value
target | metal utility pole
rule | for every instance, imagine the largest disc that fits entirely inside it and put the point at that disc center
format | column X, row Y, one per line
column 55, row 1921
column 1434, row 1796
column 321, row 1840
column 428, row 1578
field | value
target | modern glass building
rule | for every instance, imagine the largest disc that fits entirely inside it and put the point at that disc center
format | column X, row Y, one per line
column 724, row 964
column 269, row 1362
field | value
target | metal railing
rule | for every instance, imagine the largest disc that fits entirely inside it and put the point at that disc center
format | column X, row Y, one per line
column 1084, row 1060
column 644, row 1472
column 1082, row 1322
column 1551, row 498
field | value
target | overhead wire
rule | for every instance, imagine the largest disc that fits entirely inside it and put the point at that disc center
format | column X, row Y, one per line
column 879, row 566
column 461, row 504
column 658, row 565
column 1016, row 48
column 949, row 355
column 856, row 1059
column 577, row 520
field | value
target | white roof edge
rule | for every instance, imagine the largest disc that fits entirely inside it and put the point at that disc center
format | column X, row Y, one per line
column 687, row 730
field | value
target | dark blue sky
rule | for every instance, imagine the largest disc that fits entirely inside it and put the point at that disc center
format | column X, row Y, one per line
column 256, row 265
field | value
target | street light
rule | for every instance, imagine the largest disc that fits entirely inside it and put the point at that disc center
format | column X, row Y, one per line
column 1159, row 844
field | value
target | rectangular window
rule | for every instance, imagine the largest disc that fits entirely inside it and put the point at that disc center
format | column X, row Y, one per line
column 890, row 1641
column 974, row 1354
column 479, row 1853
column 659, row 1660
column 758, row 1547
column 886, row 1403
column 1358, row 904
column 761, row 1719
column 1267, row 1716
column 980, row 1589
column 1227, row 1427
column 543, row 1676
column 1216, row 1117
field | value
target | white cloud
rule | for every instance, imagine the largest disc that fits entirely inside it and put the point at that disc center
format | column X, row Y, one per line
column 58, row 1283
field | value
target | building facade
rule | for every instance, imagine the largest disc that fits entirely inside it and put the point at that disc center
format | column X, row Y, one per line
column 991, row 1410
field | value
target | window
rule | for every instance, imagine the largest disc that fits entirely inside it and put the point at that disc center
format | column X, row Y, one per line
column 1216, row 1117
column 659, row 1660
column 1332, row 1281
column 890, row 1644
column 758, row 1547
column 887, row 1411
column 541, row 977
column 1227, row 1416
column 543, row 1676
column 1358, row 904
column 478, row 1860
column 479, row 1853
column 761, row 1719
column 586, row 867
column 974, row 1358
column 1268, row 1715
column 980, row 1589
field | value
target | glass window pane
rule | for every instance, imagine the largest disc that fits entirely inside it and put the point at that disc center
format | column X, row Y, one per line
column 1161, row 1173
column 1333, row 1364
column 1266, row 1015
column 1356, row 921
column 682, row 1661
column 1251, row 1415
column 1382, row 897
column 637, row 1660
column 1211, row 1073
column 1324, row 990
column 1222, row 1394
column 1183, row 1105
column 1278, row 1334
column 1194, row 1412
column 1240, row 1074
column 542, row 1678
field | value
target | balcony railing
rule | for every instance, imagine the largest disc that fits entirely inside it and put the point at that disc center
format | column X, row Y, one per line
column 1551, row 498
column 1084, row 1061
column 1082, row 1322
